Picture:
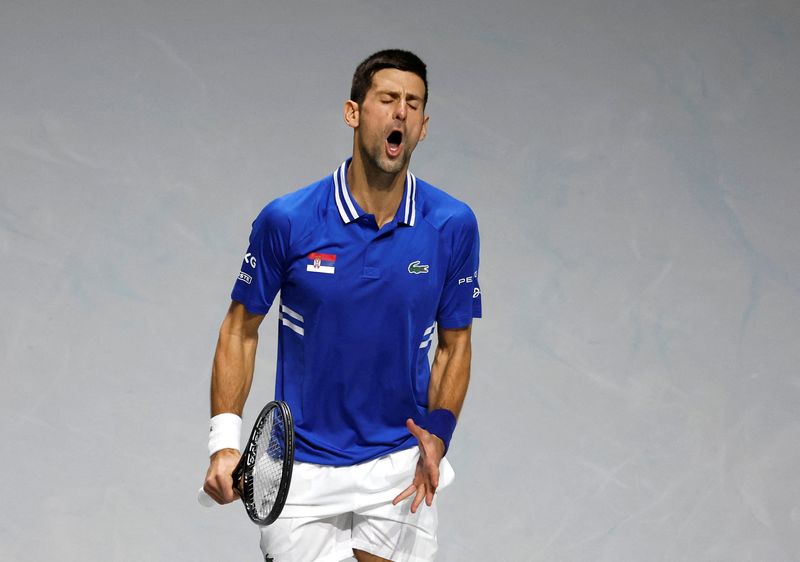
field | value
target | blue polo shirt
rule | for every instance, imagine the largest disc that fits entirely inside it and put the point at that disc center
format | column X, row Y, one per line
column 358, row 308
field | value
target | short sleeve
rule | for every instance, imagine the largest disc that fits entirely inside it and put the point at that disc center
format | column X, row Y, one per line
column 264, row 263
column 461, row 296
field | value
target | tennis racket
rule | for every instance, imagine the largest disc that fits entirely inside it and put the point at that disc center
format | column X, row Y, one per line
column 264, row 472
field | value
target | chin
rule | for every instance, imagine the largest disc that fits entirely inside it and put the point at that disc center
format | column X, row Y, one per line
column 392, row 166
column 384, row 163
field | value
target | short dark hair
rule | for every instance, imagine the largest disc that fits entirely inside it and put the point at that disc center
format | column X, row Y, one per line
column 389, row 58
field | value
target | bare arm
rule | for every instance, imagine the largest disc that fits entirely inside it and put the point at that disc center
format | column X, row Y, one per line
column 450, row 370
column 231, row 377
column 447, row 390
column 234, row 360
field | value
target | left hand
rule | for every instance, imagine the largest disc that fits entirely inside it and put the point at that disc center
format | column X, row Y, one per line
column 426, row 477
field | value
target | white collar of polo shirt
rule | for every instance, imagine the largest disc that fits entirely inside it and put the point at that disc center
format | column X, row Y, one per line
column 347, row 209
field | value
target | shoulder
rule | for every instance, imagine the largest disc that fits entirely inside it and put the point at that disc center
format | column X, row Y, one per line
column 442, row 210
column 297, row 210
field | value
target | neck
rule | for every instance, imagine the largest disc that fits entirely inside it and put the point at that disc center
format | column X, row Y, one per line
column 377, row 192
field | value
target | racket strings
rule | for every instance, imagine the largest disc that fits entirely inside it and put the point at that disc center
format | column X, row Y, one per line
column 268, row 469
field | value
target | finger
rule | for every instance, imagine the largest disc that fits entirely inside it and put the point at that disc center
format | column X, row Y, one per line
column 231, row 494
column 216, row 495
column 418, row 498
column 431, row 483
column 429, row 496
column 404, row 494
column 430, row 489
column 220, row 488
column 415, row 430
column 432, row 474
column 210, row 493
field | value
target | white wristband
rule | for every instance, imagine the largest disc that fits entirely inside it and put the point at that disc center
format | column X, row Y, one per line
column 225, row 433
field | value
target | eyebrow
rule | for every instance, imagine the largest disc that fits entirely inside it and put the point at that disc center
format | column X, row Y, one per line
column 396, row 94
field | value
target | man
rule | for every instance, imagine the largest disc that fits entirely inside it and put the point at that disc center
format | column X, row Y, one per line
column 368, row 262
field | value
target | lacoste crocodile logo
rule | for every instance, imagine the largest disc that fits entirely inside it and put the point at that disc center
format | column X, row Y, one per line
column 416, row 268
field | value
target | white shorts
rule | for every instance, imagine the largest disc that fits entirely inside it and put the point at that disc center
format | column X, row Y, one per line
column 332, row 510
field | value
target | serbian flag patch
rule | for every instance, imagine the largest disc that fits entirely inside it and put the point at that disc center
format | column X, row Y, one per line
column 321, row 263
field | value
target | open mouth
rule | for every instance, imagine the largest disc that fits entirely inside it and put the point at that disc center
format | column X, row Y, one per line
column 393, row 142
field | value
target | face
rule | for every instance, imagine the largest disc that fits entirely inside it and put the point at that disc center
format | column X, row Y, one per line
column 390, row 121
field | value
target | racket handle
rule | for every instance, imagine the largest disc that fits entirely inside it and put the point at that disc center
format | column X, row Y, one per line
column 204, row 499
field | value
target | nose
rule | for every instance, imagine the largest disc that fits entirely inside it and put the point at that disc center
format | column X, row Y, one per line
column 401, row 110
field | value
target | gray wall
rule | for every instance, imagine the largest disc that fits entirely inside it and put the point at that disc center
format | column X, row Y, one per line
column 634, row 168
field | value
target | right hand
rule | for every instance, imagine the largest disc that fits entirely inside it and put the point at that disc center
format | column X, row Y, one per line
column 219, row 482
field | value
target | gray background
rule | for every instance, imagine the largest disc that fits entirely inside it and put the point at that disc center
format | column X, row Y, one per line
column 634, row 167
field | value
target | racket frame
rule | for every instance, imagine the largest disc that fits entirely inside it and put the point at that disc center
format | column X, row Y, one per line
column 243, row 473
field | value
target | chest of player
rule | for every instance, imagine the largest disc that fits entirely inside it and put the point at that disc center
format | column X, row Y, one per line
column 397, row 270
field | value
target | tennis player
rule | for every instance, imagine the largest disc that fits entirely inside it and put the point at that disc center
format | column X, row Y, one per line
column 369, row 262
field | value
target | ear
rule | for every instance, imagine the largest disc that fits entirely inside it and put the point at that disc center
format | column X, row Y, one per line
column 351, row 113
column 424, row 132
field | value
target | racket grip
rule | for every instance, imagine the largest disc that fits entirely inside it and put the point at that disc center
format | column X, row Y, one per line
column 204, row 499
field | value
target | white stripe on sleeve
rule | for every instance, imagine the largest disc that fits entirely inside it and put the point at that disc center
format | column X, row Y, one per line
column 292, row 313
column 294, row 327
